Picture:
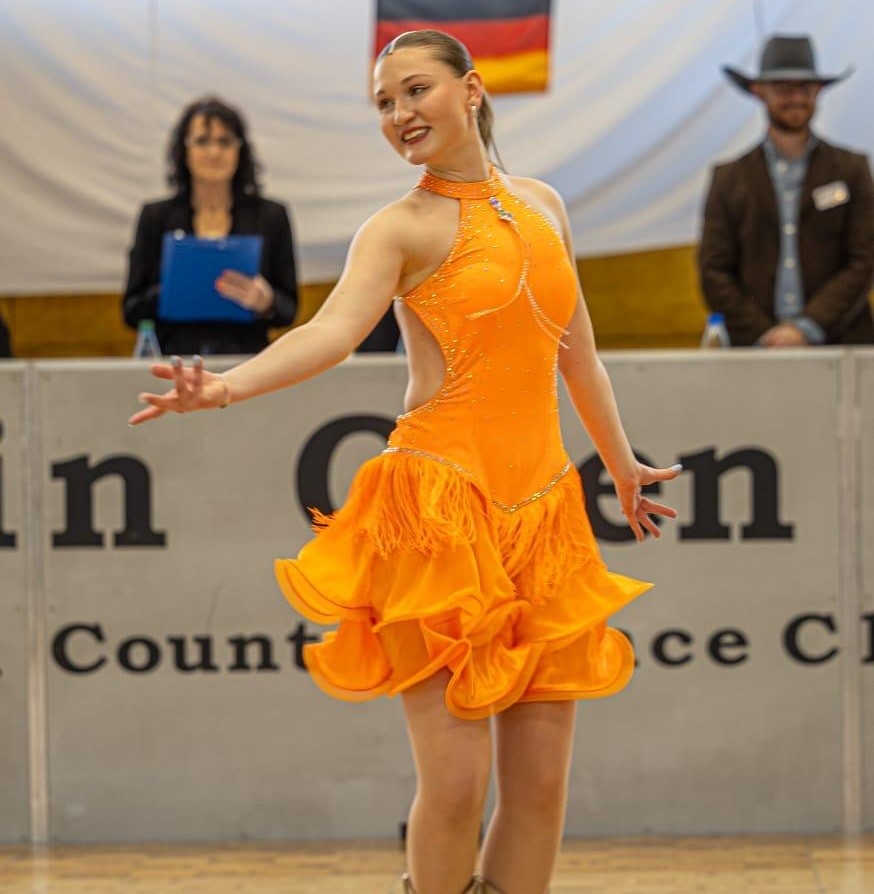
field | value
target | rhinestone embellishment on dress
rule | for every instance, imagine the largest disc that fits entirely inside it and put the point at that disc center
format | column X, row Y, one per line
column 488, row 190
column 553, row 330
column 502, row 212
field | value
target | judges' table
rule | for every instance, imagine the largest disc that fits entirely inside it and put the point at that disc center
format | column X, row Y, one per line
column 160, row 675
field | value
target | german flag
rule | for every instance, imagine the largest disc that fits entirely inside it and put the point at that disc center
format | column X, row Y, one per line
column 508, row 39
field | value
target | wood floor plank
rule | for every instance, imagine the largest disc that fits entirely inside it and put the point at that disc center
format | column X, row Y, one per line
column 728, row 865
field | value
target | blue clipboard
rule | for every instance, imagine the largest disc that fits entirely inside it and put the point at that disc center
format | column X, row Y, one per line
column 189, row 268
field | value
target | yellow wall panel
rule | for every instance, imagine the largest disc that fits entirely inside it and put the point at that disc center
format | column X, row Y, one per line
column 641, row 300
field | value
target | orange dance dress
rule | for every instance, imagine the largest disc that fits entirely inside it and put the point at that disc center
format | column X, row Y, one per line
column 465, row 545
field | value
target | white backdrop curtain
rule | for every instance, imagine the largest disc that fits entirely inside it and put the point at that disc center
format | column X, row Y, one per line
column 637, row 112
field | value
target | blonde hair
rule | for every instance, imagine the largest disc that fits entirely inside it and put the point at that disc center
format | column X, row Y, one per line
column 452, row 52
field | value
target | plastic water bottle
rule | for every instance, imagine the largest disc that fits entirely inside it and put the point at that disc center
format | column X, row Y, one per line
column 715, row 334
column 147, row 342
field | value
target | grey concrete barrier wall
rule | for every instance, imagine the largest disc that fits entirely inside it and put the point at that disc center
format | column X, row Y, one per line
column 734, row 720
column 177, row 707
column 14, row 651
column 865, row 446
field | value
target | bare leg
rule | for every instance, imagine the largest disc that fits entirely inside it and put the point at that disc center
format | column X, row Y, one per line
column 453, row 762
column 534, row 748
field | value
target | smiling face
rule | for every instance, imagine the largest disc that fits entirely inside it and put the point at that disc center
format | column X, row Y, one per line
column 790, row 104
column 212, row 151
column 424, row 106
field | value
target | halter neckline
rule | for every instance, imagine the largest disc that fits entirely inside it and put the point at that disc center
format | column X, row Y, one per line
column 462, row 189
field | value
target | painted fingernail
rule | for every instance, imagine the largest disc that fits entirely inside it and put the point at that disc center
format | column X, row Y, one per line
column 197, row 360
column 677, row 467
column 176, row 361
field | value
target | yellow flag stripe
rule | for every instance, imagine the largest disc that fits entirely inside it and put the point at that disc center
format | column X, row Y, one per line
column 516, row 73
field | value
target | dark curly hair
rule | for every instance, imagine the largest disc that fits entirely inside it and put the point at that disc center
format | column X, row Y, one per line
column 245, row 182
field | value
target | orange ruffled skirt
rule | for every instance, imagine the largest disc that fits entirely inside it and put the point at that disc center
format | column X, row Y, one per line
column 421, row 572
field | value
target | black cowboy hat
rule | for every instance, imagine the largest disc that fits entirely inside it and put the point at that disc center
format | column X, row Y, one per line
column 785, row 58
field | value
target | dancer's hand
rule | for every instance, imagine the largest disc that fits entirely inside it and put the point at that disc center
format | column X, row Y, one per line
column 193, row 389
column 637, row 508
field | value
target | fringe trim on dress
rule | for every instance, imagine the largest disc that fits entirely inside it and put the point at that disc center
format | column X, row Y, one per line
column 422, row 572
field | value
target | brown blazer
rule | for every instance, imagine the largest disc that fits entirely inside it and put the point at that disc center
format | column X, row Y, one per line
column 740, row 246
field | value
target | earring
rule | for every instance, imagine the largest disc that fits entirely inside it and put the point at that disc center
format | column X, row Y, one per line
column 474, row 110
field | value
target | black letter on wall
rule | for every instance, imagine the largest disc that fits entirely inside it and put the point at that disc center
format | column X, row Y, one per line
column 724, row 641
column 149, row 647
column 8, row 539
column 868, row 621
column 315, row 458
column 765, row 496
column 204, row 660
column 299, row 639
column 80, row 479
column 659, row 648
column 59, row 648
column 241, row 662
column 792, row 633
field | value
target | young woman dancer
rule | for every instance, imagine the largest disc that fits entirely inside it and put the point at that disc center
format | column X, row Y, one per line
column 462, row 570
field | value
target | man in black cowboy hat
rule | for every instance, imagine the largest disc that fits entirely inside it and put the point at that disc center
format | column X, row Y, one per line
column 787, row 247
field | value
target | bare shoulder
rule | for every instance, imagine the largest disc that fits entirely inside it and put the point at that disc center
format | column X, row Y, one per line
column 405, row 216
column 537, row 188
column 390, row 219
column 386, row 229
column 541, row 196
column 408, row 237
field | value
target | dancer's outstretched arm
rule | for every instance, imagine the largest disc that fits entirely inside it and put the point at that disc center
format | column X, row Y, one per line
column 362, row 295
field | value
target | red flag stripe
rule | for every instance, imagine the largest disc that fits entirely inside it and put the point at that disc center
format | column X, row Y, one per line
column 487, row 37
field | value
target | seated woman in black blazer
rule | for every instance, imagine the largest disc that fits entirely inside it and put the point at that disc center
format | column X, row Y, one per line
column 213, row 169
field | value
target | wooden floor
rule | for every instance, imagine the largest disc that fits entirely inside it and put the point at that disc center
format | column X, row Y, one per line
column 743, row 865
